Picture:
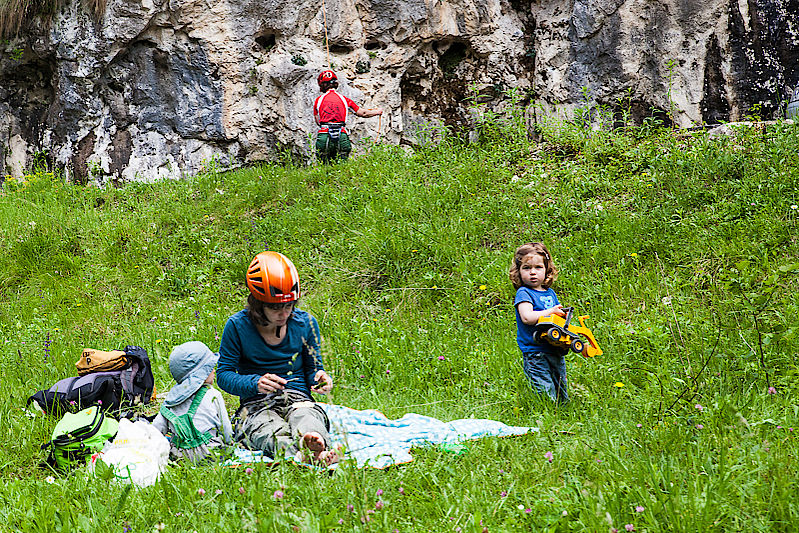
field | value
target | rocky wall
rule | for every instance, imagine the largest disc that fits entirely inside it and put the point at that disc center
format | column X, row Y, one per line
column 162, row 88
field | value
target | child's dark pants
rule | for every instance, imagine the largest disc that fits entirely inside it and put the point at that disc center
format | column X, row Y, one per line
column 547, row 374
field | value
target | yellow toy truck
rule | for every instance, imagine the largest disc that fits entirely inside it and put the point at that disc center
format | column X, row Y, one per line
column 558, row 331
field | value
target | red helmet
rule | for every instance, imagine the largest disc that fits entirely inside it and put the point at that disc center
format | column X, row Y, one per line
column 326, row 75
column 272, row 278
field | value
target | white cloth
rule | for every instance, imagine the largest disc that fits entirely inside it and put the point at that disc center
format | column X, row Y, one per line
column 138, row 454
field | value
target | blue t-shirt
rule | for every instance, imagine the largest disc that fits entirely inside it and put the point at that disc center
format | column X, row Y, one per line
column 244, row 356
column 524, row 334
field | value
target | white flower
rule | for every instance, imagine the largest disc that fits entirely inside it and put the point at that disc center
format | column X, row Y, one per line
column 795, row 207
column 32, row 224
column 50, row 479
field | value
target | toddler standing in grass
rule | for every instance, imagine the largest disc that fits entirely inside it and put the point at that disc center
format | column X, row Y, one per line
column 532, row 273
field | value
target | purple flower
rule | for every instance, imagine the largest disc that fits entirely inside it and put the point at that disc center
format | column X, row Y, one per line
column 248, row 470
column 379, row 504
column 629, row 527
column 548, row 455
column 379, row 492
column 401, row 490
column 699, row 407
column 528, row 510
column 278, row 495
column 350, row 507
column 201, row 492
column 503, row 494
column 340, row 521
column 700, row 426
column 441, row 357
column 242, row 490
column 639, row 508
column 639, row 425
column 772, row 390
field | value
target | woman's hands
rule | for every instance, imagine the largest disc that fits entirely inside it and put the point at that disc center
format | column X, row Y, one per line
column 324, row 383
column 270, row 383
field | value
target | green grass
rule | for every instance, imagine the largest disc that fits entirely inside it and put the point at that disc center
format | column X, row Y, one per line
column 683, row 249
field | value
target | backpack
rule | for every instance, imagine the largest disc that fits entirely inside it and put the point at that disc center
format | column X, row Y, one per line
column 79, row 435
column 111, row 389
column 100, row 361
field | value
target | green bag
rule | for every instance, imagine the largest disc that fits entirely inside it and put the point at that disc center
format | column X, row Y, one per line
column 78, row 435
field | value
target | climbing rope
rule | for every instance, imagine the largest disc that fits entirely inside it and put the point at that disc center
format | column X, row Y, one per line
column 327, row 42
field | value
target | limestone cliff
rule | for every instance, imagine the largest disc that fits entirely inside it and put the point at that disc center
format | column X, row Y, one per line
column 157, row 88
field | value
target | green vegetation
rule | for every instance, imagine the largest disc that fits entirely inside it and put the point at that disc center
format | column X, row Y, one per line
column 682, row 248
column 14, row 14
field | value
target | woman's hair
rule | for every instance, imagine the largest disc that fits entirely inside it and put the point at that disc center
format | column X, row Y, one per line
column 255, row 311
column 327, row 85
column 523, row 251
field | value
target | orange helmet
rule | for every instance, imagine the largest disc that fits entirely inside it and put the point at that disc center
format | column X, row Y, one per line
column 272, row 278
column 326, row 75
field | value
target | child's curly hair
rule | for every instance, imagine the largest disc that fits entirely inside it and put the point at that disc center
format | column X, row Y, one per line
column 525, row 250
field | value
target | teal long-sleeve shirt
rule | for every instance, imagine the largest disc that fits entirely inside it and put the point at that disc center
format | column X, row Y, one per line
column 244, row 356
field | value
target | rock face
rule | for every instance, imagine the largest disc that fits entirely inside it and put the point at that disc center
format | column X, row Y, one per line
column 159, row 88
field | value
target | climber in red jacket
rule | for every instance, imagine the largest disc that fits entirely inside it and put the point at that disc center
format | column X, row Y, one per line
column 330, row 112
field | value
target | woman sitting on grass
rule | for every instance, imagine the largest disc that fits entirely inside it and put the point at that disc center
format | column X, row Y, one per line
column 270, row 358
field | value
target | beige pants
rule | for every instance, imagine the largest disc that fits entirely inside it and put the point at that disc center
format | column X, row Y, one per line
column 275, row 423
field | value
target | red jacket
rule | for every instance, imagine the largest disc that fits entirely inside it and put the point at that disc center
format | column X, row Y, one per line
column 332, row 107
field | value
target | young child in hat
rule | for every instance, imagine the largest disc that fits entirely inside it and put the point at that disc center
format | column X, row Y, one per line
column 194, row 412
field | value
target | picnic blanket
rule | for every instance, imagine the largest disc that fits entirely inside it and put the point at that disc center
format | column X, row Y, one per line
column 371, row 439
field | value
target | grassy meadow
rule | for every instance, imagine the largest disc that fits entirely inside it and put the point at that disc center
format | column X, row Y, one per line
column 681, row 247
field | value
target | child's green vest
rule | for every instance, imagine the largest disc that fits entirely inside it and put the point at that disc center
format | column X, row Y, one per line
column 185, row 435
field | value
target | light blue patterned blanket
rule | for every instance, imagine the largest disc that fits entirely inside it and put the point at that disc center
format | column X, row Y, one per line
column 373, row 440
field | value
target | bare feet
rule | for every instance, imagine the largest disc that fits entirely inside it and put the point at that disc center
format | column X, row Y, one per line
column 328, row 457
column 314, row 442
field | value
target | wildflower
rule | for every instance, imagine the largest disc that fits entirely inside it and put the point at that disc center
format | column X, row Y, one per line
column 379, row 492
column 157, row 341
column 700, row 426
column 242, row 490
column 401, row 490
column 218, row 492
column 521, row 507
column 201, row 492
column 699, row 407
column 340, row 521
column 565, row 513
column 629, row 527
column 278, row 495
column 379, row 504
column 772, row 390
column 633, row 254
column 50, row 479
column 503, row 494
column 548, row 455
column 248, row 470
column 388, row 372
column 441, row 357
column 639, row 425
column 795, row 207
column 618, row 384
column 160, row 526
column 126, row 528
column 350, row 507
column 362, row 376
column 639, row 508
column 482, row 287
